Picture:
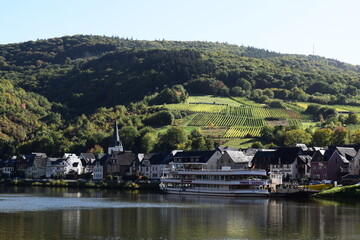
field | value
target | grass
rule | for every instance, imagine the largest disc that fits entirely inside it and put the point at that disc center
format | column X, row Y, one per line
column 352, row 191
column 213, row 99
column 247, row 102
column 240, row 143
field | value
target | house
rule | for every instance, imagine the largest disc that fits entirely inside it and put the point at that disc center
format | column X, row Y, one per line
column 36, row 165
column 339, row 163
column 355, row 164
column 118, row 163
column 87, row 161
column 319, row 164
column 98, row 167
column 291, row 162
column 7, row 167
column 55, row 168
column 153, row 164
column 208, row 159
column 69, row 164
column 20, row 166
column 263, row 158
column 235, row 159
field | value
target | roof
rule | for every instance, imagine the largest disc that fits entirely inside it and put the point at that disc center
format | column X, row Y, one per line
column 87, row 158
column 203, row 156
column 347, row 152
column 251, row 151
column 238, row 156
column 286, row 155
column 265, row 154
column 158, row 158
column 125, row 158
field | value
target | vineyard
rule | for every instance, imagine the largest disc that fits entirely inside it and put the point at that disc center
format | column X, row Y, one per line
column 235, row 111
column 201, row 108
column 242, row 121
column 203, row 119
column 242, row 131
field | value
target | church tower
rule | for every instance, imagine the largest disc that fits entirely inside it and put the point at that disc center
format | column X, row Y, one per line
column 116, row 145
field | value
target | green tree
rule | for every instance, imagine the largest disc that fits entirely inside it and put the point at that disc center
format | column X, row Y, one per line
column 322, row 137
column 352, row 119
column 147, row 142
column 174, row 138
column 128, row 134
column 355, row 137
column 293, row 137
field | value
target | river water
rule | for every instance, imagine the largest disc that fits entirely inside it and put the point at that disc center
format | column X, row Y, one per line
column 60, row 213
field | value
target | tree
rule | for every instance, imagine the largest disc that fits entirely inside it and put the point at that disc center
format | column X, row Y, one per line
column 174, row 138
column 269, row 93
column 198, row 144
column 127, row 135
column 355, row 137
column 293, row 137
column 352, row 119
column 244, row 84
column 266, row 133
column 166, row 96
column 159, row 119
column 339, row 136
column 322, row 137
column 147, row 142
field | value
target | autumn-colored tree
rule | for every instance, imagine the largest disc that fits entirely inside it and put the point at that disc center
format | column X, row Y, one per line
column 340, row 136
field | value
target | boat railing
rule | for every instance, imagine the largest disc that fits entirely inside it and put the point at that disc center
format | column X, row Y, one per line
column 208, row 170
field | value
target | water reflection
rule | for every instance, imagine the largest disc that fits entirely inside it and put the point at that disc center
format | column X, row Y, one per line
column 46, row 213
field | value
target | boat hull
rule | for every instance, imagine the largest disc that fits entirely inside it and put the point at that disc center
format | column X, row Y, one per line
column 243, row 193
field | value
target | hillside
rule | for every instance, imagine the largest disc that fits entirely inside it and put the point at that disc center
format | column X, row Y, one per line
column 67, row 81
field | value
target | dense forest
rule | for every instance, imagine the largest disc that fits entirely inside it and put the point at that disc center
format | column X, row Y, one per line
column 63, row 94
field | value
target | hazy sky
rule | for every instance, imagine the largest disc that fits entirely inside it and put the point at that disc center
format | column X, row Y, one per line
column 329, row 27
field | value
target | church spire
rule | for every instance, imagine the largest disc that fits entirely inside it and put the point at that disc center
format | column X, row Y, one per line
column 116, row 145
column 116, row 138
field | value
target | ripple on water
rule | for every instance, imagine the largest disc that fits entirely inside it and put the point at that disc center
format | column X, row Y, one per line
column 22, row 203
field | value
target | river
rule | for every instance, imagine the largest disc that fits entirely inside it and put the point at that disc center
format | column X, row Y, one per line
column 60, row 213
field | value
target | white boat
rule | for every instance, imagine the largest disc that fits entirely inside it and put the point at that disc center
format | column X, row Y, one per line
column 220, row 182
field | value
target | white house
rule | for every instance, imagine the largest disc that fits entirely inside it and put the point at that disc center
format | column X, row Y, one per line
column 70, row 163
column 152, row 164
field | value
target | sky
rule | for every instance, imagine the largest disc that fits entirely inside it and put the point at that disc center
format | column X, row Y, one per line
column 328, row 28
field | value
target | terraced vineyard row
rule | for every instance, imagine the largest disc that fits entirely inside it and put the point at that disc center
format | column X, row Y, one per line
column 260, row 112
column 294, row 122
column 202, row 119
column 241, row 131
column 238, row 111
column 235, row 111
column 205, row 108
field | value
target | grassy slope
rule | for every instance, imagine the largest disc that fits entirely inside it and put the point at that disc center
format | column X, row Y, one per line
column 340, row 192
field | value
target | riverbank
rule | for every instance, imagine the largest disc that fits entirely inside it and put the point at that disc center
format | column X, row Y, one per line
column 352, row 191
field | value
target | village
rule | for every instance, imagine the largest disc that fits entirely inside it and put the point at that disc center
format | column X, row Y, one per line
column 299, row 164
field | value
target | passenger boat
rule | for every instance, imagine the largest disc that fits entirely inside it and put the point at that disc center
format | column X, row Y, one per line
column 180, row 179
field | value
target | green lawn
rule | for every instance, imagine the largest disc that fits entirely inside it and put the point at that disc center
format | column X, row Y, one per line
column 213, row 99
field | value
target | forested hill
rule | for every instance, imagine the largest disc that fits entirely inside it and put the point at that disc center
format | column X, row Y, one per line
column 74, row 75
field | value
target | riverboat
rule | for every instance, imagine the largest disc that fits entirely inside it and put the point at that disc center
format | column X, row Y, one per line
column 215, row 182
